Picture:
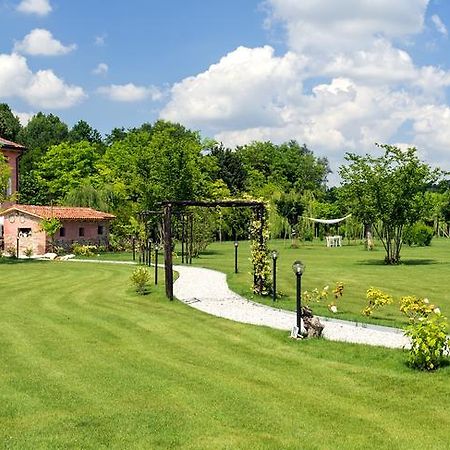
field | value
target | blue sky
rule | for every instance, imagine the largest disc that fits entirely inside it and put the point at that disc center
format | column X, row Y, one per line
column 337, row 76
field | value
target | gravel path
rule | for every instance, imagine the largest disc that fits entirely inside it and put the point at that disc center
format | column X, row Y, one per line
column 208, row 291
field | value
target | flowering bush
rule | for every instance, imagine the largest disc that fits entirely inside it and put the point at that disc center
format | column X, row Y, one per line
column 83, row 250
column 376, row 299
column 427, row 329
column 317, row 296
column 141, row 278
column 259, row 233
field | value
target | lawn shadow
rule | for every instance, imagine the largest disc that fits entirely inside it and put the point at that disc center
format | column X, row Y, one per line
column 403, row 262
column 4, row 260
column 210, row 253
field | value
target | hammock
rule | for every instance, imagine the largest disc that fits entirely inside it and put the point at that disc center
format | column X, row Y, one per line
column 328, row 221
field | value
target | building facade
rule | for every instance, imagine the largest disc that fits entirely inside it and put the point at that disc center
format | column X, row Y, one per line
column 22, row 231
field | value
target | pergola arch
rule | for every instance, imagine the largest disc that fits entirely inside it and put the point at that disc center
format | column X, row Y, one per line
column 167, row 211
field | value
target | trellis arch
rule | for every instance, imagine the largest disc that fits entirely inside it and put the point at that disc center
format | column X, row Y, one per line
column 167, row 211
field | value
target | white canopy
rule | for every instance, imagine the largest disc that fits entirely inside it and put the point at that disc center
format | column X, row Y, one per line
column 328, row 221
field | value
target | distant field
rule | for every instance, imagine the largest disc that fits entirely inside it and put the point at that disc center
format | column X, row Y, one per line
column 86, row 363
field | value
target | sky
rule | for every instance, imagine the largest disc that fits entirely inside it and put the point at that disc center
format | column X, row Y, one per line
column 335, row 75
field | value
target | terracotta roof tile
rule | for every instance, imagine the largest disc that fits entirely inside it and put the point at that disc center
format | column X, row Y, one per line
column 10, row 145
column 61, row 212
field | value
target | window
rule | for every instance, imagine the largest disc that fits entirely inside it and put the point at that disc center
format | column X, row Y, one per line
column 62, row 232
column 100, row 230
column 24, row 232
column 81, row 231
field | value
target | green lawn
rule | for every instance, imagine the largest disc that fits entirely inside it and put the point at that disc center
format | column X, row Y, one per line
column 86, row 363
column 424, row 272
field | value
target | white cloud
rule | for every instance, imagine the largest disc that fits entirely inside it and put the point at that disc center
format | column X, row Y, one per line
column 101, row 69
column 130, row 92
column 100, row 40
column 48, row 91
column 38, row 7
column 345, row 24
column 42, row 89
column 42, row 42
column 344, row 83
column 248, row 87
column 440, row 26
column 24, row 117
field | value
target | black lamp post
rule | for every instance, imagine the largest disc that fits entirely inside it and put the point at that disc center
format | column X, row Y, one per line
column 156, row 263
column 274, row 275
column 236, row 245
column 298, row 267
column 133, row 243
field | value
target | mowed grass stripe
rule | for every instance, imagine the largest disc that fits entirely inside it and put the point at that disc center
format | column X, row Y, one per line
column 142, row 372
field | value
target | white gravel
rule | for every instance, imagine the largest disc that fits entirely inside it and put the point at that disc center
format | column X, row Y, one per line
column 208, row 291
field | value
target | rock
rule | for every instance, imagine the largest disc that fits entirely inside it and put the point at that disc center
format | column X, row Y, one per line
column 312, row 324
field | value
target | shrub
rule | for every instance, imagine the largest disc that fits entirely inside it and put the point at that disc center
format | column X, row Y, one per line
column 427, row 330
column 141, row 279
column 376, row 299
column 11, row 251
column 28, row 252
column 83, row 250
column 418, row 234
column 317, row 296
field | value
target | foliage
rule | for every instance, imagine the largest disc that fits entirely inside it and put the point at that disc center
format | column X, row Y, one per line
column 319, row 296
column 141, row 278
column 82, row 131
column 230, row 168
column 28, row 252
column 375, row 300
column 387, row 192
column 83, row 250
column 287, row 166
column 5, row 174
column 427, row 330
column 418, row 234
column 11, row 251
column 290, row 206
column 259, row 234
column 40, row 133
column 64, row 167
column 50, row 227
column 9, row 123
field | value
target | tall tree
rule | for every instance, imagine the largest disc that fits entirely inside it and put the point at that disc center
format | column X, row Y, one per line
column 64, row 167
column 41, row 132
column 82, row 131
column 5, row 173
column 9, row 123
column 388, row 192
column 230, row 168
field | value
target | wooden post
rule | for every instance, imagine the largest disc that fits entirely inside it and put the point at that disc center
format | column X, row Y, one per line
column 191, row 238
column 168, row 250
column 182, row 238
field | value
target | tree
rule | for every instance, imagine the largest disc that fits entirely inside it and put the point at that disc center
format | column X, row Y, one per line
column 50, row 227
column 41, row 132
column 5, row 173
column 82, row 131
column 388, row 192
column 230, row 168
column 65, row 167
column 9, row 123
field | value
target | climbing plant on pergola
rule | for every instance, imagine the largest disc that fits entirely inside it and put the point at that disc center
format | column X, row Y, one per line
column 258, row 232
